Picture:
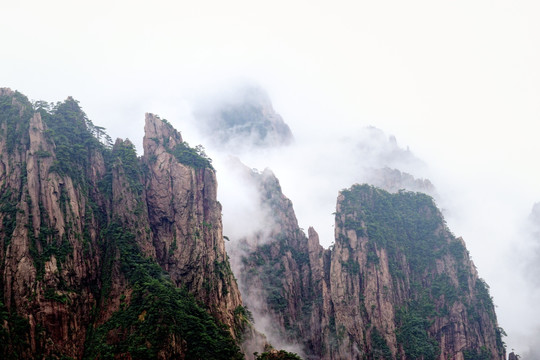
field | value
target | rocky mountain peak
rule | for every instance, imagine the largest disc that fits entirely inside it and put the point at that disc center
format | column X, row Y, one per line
column 244, row 119
column 6, row 92
column 100, row 259
column 157, row 133
column 395, row 285
column 104, row 254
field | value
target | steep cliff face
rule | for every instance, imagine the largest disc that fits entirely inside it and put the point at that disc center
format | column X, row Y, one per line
column 103, row 254
column 107, row 255
column 395, row 285
column 50, row 247
column 282, row 272
column 420, row 290
column 186, row 219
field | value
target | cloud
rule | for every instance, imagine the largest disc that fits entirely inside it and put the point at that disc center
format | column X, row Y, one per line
column 457, row 81
column 239, row 121
column 322, row 161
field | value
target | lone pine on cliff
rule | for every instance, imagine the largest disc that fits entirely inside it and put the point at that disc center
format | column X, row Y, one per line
column 106, row 255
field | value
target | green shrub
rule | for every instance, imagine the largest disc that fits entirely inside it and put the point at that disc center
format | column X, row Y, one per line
column 379, row 346
column 157, row 312
column 194, row 157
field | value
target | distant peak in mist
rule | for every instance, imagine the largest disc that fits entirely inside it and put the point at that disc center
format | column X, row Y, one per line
column 242, row 119
column 383, row 149
column 394, row 180
column 535, row 214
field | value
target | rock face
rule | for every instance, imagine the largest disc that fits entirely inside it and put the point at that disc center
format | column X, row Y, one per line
column 103, row 254
column 395, row 285
column 512, row 356
column 186, row 219
column 107, row 255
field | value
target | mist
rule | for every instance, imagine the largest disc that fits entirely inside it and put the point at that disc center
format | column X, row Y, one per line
column 456, row 83
column 486, row 207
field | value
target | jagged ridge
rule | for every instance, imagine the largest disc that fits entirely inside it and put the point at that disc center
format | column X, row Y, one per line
column 396, row 284
column 105, row 254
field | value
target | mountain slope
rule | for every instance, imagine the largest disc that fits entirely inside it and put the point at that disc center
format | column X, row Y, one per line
column 104, row 254
column 396, row 284
column 93, row 246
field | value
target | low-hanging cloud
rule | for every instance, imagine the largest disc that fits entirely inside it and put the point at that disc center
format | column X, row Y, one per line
column 318, row 164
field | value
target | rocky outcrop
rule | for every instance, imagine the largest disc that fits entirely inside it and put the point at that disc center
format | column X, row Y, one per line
column 396, row 284
column 49, row 237
column 185, row 219
column 104, row 254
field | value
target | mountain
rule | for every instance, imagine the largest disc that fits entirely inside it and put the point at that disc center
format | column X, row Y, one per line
column 243, row 120
column 107, row 255
column 387, row 165
column 393, row 180
column 103, row 254
column 396, row 284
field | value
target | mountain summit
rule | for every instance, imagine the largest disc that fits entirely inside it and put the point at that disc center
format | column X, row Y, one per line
column 396, row 284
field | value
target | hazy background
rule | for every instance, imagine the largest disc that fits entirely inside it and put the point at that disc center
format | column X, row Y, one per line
column 458, row 82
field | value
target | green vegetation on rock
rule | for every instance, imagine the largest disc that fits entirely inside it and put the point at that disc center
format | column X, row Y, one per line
column 14, row 334
column 379, row 347
column 481, row 354
column 154, row 316
column 406, row 223
column 74, row 136
column 412, row 333
column 15, row 114
column 412, row 232
column 157, row 315
column 194, row 157
column 271, row 354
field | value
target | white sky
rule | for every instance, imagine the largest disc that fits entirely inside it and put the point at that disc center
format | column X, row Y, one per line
column 457, row 81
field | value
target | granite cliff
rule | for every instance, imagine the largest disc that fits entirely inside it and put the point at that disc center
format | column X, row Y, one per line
column 107, row 255
column 396, row 284
column 104, row 254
